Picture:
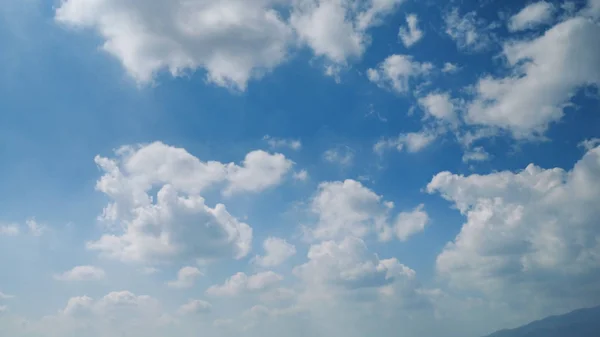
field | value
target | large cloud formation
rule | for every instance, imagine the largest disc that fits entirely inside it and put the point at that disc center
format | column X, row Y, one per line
column 529, row 236
column 546, row 72
column 233, row 40
column 348, row 208
column 177, row 222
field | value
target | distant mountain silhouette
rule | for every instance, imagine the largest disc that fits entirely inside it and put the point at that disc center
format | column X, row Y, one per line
column 578, row 323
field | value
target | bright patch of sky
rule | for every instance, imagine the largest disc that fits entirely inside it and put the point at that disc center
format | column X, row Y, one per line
column 319, row 167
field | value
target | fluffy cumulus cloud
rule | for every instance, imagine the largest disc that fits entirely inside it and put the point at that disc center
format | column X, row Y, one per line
column 439, row 106
column 337, row 29
column 232, row 40
column 397, row 72
column 410, row 223
column 260, row 170
column 186, row 277
column 186, row 227
column 348, row 208
column 81, row 273
column 547, row 72
column 346, row 268
column 195, row 307
column 531, row 16
column 276, row 252
column 529, row 236
column 240, row 282
column 177, row 222
column 410, row 34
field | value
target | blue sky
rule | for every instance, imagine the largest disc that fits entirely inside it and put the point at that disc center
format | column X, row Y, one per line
column 372, row 158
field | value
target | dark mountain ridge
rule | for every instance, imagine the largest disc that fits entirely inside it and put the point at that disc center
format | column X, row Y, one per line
column 577, row 323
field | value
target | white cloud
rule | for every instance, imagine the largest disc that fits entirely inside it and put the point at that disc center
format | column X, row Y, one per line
column 529, row 236
column 115, row 314
column 439, row 106
column 241, row 282
column 177, row 222
column 78, row 305
column 410, row 223
column 232, row 286
column 334, row 71
column 342, row 155
column 336, row 268
column 260, row 170
column 301, row 175
column 468, row 31
column 477, row 153
column 396, row 72
column 347, row 208
column 81, row 273
column 35, row 228
column 184, row 226
column 186, row 277
column 416, row 141
column 324, row 26
column 233, row 40
column 263, row 280
column 410, row 34
column 468, row 137
column 589, row 144
column 195, row 307
column 532, row 16
column 120, row 298
column 592, row 9
column 547, row 71
column 139, row 168
column 9, row 230
column 4, row 296
column 450, row 68
column 412, row 142
column 276, row 252
column 337, row 29
column 275, row 143
column 374, row 11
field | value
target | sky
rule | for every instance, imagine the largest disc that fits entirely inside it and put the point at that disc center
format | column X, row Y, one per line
column 297, row 167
